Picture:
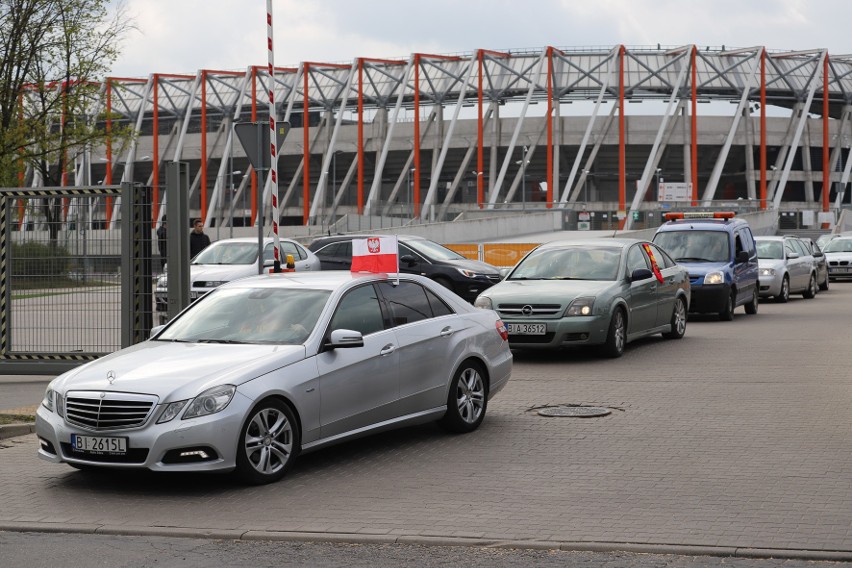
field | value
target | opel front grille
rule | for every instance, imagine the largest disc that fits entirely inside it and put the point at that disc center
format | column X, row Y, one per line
column 530, row 310
column 96, row 410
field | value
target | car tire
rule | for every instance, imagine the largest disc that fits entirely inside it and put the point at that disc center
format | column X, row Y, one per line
column 678, row 321
column 616, row 337
column 824, row 285
column 811, row 290
column 727, row 314
column 784, row 294
column 268, row 443
column 751, row 307
column 467, row 400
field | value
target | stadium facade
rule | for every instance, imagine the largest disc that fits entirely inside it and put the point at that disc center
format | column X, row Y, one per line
column 428, row 137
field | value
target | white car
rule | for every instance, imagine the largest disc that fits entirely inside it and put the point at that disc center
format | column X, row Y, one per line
column 838, row 253
column 230, row 259
column 264, row 368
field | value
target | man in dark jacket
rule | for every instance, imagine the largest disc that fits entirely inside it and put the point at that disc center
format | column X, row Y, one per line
column 161, row 242
column 198, row 241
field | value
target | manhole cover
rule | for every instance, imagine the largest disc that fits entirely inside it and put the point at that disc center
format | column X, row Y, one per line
column 574, row 411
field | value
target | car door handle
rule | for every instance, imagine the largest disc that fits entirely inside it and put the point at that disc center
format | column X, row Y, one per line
column 387, row 349
column 447, row 331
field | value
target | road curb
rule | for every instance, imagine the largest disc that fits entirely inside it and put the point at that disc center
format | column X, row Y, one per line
column 353, row 538
column 14, row 430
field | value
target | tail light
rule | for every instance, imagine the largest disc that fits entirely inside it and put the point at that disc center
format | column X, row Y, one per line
column 501, row 329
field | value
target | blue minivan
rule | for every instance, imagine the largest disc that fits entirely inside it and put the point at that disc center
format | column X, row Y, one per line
column 718, row 251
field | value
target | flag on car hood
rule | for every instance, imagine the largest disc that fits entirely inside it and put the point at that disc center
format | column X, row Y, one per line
column 375, row 254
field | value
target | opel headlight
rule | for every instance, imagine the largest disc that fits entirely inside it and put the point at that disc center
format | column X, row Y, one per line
column 767, row 272
column 483, row 302
column 714, row 278
column 171, row 411
column 580, row 307
column 215, row 283
column 467, row 273
column 210, row 401
column 49, row 400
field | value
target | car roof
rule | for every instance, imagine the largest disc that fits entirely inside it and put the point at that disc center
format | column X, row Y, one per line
column 349, row 237
column 321, row 279
column 725, row 225
column 600, row 242
column 266, row 240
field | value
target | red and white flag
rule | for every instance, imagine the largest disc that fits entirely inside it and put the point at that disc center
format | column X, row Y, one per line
column 375, row 254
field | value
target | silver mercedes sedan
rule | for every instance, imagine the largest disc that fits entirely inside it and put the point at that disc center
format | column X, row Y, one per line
column 264, row 368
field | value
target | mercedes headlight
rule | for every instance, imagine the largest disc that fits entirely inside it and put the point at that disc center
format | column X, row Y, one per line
column 210, row 401
column 49, row 400
column 580, row 307
column 767, row 272
column 714, row 278
column 171, row 411
column 483, row 302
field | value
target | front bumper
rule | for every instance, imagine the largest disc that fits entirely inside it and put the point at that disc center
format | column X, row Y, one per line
column 562, row 332
column 148, row 446
column 770, row 286
column 470, row 289
column 709, row 298
column 840, row 271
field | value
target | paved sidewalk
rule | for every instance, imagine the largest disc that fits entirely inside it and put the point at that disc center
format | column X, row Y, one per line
column 734, row 441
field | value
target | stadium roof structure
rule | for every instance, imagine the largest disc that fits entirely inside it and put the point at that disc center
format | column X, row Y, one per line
column 413, row 94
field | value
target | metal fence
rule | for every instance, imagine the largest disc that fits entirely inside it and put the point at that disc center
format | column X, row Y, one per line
column 70, row 289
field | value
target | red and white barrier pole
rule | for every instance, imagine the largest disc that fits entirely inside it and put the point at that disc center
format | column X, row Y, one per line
column 273, row 151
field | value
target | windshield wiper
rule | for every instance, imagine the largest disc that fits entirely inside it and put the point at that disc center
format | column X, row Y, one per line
column 226, row 341
column 694, row 259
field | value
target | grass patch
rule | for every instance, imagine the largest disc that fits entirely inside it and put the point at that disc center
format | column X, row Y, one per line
column 16, row 419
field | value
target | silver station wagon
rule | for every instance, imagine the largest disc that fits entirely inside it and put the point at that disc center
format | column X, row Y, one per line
column 264, row 368
column 596, row 292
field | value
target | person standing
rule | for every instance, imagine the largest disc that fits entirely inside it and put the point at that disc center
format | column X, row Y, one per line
column 161, row 243
column 198, row 241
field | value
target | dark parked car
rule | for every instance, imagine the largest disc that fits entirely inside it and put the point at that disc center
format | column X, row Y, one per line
column 417, row 255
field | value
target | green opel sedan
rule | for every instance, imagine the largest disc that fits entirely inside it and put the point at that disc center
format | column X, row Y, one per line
column 602, row 292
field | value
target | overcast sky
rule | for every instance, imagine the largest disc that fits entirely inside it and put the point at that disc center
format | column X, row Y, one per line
column 182, row 36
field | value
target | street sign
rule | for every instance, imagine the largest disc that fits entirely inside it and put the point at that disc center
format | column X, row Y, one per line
column 674, row 191
column 258, row 154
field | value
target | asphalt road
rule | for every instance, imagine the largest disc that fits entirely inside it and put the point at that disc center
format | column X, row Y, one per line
column 18, row 392
column 33, row 550
column 731, row 441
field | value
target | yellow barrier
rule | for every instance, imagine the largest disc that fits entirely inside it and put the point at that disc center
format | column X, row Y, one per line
column 466, row 250
column 497, row 254
column 505, row 254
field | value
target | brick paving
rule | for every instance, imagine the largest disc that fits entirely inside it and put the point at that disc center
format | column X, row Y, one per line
column 736, row 436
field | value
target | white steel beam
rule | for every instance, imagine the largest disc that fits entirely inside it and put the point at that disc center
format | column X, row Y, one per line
column 785, row 175
column 495, row 191
column 710, row 190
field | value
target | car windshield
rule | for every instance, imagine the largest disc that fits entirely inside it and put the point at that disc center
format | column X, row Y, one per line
column 839, row 245
column 569, row 263
column 250, row 315
column 695, row 246
column 228, row 253
column 770, row 249
column 433, row 251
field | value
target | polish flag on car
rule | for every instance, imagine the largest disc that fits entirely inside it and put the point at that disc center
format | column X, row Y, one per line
column 375, row 254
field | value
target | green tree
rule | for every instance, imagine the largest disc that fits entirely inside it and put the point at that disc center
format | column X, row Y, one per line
column 53, row 55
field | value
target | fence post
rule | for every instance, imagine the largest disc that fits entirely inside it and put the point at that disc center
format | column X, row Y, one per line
column 136, row 275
